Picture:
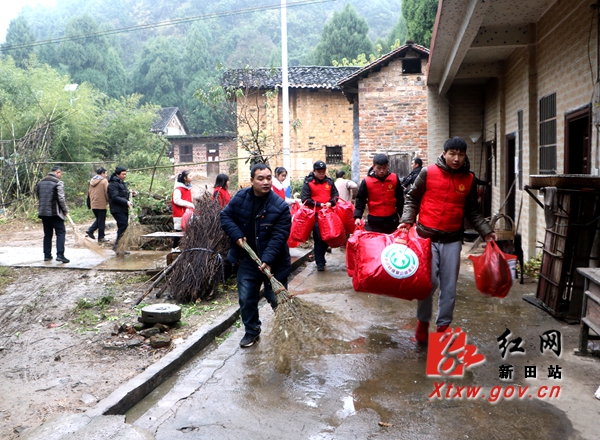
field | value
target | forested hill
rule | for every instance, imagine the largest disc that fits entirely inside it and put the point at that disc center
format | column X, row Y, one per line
column 166, row 63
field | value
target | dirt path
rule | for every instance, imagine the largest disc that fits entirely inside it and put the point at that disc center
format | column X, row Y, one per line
column 60, row 349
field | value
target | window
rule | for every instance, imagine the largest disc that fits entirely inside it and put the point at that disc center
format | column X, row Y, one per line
column 186, row 154
column 334, row 154
column 548, row 134
column 520, row 147
column 411, row 65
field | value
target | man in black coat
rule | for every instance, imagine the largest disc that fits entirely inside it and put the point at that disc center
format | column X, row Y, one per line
column 259, row 217
column 417, row 166
column 118, row 200
column 52, row 211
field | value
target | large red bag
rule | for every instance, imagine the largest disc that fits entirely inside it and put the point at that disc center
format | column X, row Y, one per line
column 397, row 265
column 351, row 248
column 345, row 211
column 493, row 276
column 303, row 223
column 331, row 228
column 186, row 217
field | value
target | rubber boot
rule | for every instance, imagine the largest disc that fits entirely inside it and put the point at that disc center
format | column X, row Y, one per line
column 442, row 328
column 422, row 332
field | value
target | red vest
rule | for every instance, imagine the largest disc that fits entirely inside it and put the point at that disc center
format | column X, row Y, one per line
column 382, row 195
column 443, row 203
column 186, row 194
column 320, row 192
column 223, row 198
column 279, row 191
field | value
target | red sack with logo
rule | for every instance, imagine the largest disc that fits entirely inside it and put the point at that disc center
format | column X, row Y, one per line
column 493, row 276
column 345, row 211
column 303, row 223
column 293, row 210
column 331, row 228
column 186, row 217
column 396, row 265
column 351, row 248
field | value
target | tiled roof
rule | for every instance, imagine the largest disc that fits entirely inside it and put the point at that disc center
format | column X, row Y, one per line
column 383, row 61
column 166, row 114
column 305, row 77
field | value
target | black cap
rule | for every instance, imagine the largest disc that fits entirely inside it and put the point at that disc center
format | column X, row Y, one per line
column 319, row 165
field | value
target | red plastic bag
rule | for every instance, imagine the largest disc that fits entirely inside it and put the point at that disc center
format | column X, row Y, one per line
column 493, row 276
column 351, row 248
column 303, row 223
column 345, row 211
column 396, row 265
column 331, row 228
column 186, row 217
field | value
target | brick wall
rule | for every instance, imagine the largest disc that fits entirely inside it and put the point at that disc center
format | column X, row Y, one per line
column 392, row 113
column 227, row 149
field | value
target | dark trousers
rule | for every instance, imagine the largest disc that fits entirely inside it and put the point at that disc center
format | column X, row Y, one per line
column 249, row 281
column 385, row 225
column 99, row 223
column 54, row 224
column 320, row 246
column 122, row 219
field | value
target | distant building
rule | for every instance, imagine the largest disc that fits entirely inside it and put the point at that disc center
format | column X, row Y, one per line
column 206, row 155
column 170, row 122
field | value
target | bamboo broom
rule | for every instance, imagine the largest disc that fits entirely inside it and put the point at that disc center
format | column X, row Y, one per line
column 301, row 328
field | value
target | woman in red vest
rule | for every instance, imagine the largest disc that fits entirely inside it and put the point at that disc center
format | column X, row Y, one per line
column 221, row 193
column 382, row 192
column 182, row 198
column 320, row 192
column 442, row 196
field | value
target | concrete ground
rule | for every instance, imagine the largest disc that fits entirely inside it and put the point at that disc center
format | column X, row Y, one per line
column 372, row 382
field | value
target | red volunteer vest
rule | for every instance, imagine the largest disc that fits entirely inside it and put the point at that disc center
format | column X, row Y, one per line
column 443, row 204
column 186, row 194
column 382, row 195
column 320, row 192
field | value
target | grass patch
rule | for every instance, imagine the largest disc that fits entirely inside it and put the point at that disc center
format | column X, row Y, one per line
column 88, row 314
column 7, row 275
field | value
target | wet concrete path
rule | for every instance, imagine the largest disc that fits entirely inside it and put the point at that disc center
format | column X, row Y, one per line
column 376, row 386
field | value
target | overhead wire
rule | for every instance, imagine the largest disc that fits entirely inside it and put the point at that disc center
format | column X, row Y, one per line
column 8, row 47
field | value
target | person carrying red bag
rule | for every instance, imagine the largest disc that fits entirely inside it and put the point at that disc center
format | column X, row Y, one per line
column 442, row 195
column 320, row 192
column 382, row 192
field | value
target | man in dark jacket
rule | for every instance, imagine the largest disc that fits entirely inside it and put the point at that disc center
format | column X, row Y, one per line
column 52, row 210
column 417, row 166
column 382, row 192
column 319, row 191
column 118, row 200
column 442, row 196
column 259, row 217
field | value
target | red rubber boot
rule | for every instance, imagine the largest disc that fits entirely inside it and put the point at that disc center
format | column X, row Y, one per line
column 422, row 332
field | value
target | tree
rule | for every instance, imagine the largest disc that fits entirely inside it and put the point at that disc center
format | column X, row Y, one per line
column 420, row 18
column 19, row 33
column 397, row 36
column 344, row 36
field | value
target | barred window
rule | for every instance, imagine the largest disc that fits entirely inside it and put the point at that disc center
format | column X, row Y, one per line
column 548, row 134
column 186, row 154
column 334, row 155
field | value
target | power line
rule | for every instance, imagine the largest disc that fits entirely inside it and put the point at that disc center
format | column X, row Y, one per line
column 159, row 24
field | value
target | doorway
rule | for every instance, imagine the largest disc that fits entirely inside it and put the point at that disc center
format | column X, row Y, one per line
column 212, row 158
column 510, row 186
column 577, row 141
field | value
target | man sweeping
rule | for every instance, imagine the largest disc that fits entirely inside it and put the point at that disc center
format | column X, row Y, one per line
column 259, row 217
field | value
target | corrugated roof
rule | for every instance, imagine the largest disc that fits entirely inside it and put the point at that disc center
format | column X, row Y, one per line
column 305, row 77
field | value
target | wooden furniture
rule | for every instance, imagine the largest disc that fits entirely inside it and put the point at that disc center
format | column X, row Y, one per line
column 590, row 311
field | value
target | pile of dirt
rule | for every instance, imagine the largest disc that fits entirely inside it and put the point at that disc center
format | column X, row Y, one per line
column 67, row 338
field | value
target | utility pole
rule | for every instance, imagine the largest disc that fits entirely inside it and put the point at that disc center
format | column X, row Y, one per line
column 285, row 88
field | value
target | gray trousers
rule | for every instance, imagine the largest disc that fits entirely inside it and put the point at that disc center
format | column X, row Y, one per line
column 445, row 263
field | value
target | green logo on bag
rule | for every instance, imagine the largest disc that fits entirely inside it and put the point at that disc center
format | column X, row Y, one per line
column 399, row 261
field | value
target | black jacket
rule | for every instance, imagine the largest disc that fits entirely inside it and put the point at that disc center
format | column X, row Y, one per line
column 272, row 229
column 118, row 194
column 51, row 195
column 409, row 180
column 306, row 195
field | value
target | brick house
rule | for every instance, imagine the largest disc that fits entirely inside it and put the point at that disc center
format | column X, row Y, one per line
column 519, row 82
column 320, row 116
column 389, row 99
column 207, row 154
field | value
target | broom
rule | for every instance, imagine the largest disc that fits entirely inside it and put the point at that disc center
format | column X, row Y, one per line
column 80, row 239
column 131, row 236
column 300, row 327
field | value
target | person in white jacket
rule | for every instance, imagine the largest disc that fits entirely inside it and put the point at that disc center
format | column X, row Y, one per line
column 181, row 200
column 346, row 188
